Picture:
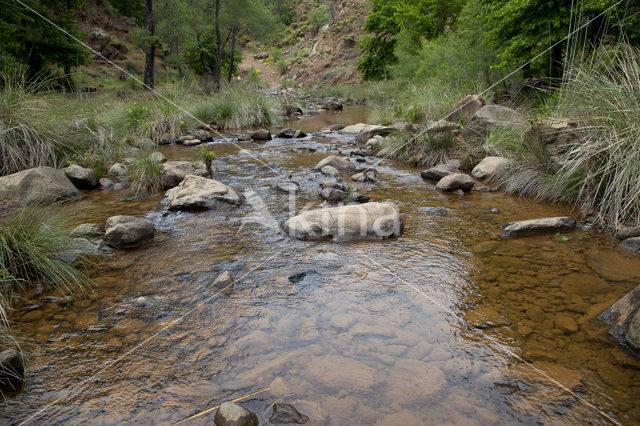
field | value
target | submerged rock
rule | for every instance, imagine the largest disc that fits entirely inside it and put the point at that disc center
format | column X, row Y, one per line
column 232, row 414
column 38, row 185
column 341, row 164
column 198, row 193
column 632, row 244
column 128, row 232
column 11, row 370
column 380, row 220
column 438, row 172
column 287, row 414
column 81, row 177
column 454, row 182
column 489, row 167
column 538, row 226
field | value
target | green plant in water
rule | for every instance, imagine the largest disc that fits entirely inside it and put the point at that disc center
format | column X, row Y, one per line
column 145, row 173
column 208, row 157
column 561, row 238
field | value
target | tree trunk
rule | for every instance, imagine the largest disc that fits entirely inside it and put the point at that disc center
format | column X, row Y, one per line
column 557, row 66
column 233, row 51
column 217, row 71
column 150, row 54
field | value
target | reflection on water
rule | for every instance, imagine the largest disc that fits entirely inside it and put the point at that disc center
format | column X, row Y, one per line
column 350, row 342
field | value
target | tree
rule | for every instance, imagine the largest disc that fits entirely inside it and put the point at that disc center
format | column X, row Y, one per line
column 521, row 30
column 417, row 19
column 150, row 53
column 31, row 40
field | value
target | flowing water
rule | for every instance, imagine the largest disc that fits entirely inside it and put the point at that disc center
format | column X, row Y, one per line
column 444, row 324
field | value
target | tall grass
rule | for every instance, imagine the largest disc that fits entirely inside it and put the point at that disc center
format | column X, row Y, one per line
column 599, row 171
column 40, row 128
column 145, row 173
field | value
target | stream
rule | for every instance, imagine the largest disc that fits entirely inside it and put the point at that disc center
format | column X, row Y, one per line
column 368, row 332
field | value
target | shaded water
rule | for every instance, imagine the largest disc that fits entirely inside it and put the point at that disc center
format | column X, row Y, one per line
column 357, row 340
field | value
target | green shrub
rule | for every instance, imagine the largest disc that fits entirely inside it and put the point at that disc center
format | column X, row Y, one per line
column 137, row 116
column 208, row 157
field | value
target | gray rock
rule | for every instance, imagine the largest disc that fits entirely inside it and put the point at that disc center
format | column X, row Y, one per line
column 183, row 138
column 192, row 142
column 379, row 220
column 357, row 197
column 489, row 167
column 224, row 283
column 260, row 135
column 286, row 133
column 105, row 184
column 173, row 172
column 488, row 117
column 367, row 177
column 330, row 171
column 342, row 164
column 288, row 186
column 384, row 152
column 557, row 136
column 199, row 193
column 628, row 232
column 299, row 134
column 384, row 131
column 531, row 227
column 632, row 244
column 244, row 138
column 333, row 184
column 11, row 370
column 158, row 157
column 146, row 145
column 87, row 230
column 128, row 232
column 165, row 139
column 287, row 414
column 621, row 315
column 333, row 195
column 119, row 171
column 201, row 135
column 38, row 185
column 144, row 301
column 232, row 414
column 465, row 108
column 454, row 182
column 632, row 336
column 438, row 172
column 81, row 177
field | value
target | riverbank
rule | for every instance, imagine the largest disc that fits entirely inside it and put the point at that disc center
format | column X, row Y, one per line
column 319, row 338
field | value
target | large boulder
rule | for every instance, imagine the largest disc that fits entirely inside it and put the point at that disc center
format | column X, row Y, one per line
column 173, row 172
column 232, row 414
column 81, row 177
column 287, row 133
column 438, row 172
column 260, row 135
column 128, row 232
column 379, row 220
column 199, row 193
column 11, row 370
column 624, row 318
column 358, row 128
column 39, row 185
column 531, row 227
column 119, row 171
column 201, row 135
column 489, row 116
column 342, row 164
column 455, row 182
column 384, row 131
column 489, row 167
column 464, row 109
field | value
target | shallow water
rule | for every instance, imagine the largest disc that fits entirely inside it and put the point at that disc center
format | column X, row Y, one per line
column 445, row 324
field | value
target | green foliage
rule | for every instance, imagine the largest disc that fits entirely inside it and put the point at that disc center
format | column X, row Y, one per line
column 31, row 40
column 131, row 8
column 318, row 16
column 418, row 19
column 191, row 56
column 32, row 244
column 137, row 116
column 208, row 157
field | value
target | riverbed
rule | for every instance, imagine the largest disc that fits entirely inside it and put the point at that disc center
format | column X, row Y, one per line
column 444, row 324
